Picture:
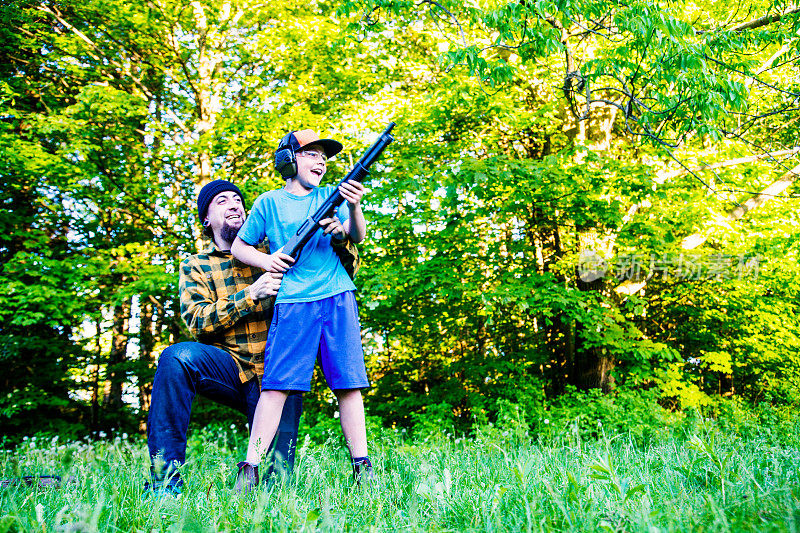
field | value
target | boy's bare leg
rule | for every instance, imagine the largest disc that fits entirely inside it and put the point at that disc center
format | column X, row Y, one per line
column 265, row 423
column 351, row 415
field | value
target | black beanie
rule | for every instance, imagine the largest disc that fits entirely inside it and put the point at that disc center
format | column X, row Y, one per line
column 210, row 190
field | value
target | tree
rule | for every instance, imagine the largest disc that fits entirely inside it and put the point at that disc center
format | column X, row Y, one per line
column 642, row 113
column 528, row 135
column 128, row 109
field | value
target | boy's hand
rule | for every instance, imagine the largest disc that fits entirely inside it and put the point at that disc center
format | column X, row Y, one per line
column 267, row 285
column 333, row 226
column 278, row 262
column 352, row 191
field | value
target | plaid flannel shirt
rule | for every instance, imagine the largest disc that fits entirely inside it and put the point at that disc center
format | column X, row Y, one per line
column 218, row 310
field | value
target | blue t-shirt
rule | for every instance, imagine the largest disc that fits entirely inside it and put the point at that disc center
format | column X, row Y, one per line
column 317, row 273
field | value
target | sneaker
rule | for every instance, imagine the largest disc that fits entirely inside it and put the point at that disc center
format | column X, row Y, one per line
column 363, row 472
column 246, row 478
column 158, row 490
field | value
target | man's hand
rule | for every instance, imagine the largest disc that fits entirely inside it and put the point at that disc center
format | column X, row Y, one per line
column 352, row 191
column 267, row 285
column 333, row 226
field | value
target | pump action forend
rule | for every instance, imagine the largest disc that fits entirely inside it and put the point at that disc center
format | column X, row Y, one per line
column 359, row 172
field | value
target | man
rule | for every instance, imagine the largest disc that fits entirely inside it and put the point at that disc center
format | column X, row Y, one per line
column 227, row 306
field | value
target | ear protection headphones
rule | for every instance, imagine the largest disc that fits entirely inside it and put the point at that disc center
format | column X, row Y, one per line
column 293, row 142
column 285, row 158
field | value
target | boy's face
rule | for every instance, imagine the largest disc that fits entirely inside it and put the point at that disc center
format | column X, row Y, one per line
column 311, row 166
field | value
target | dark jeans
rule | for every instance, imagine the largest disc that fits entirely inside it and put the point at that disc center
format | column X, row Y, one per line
column 189, row 368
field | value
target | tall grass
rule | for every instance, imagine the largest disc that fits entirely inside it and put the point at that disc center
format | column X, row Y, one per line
column 707, row 482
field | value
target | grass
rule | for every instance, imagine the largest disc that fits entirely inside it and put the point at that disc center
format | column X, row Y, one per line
column 706, row 482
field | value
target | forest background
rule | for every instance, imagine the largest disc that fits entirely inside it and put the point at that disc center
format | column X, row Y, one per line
column 588, row 213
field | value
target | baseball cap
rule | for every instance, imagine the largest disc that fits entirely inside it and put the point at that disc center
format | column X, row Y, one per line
column 300, row 139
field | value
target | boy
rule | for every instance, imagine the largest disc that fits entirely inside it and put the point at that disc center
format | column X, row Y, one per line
column 315, row 309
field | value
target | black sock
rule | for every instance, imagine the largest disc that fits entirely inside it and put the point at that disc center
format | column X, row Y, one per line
column 361, row 461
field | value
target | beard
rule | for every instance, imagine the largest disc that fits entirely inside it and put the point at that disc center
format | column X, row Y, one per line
column 228, row 232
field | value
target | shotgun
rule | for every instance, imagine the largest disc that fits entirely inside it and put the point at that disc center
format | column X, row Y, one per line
column 359, row 172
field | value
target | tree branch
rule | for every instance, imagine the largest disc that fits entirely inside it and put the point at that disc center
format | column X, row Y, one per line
column 750, row 159
column 96, row 49
column 765, row 20
column 773, row 190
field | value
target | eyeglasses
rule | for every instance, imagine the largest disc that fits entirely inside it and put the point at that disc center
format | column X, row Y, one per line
column 313, row 154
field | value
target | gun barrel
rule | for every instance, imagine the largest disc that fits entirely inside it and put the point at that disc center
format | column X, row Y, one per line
column 376, row 149
column 359, row 172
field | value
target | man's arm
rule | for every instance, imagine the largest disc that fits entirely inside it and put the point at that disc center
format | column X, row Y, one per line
column 204, row 314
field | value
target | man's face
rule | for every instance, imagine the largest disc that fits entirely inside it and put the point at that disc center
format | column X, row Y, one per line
column 225, row 215
column 311, row 166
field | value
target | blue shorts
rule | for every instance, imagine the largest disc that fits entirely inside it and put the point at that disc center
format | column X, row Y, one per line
column 301, row 332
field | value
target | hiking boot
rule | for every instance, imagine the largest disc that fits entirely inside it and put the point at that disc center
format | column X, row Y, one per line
column 246, row 479
column 363, row 472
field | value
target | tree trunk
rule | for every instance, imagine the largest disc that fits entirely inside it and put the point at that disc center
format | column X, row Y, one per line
column 146, row 357
column 94, row 418
column 117, row 375
column 208, row 85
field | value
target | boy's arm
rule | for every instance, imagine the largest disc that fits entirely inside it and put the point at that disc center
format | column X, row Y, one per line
column 249, row 255
column 356, row 225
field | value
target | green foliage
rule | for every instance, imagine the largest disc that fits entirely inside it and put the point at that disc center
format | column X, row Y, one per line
column 673, row 68
column 435, row 422
column 765, row 421
column 460, row 484
column 594, row 414
column 605, row 471
column 707, row 449
column 736, row 335
column 528, row 134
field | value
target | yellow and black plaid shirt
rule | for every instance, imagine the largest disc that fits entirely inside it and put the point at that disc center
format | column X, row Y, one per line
column 217, row 307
